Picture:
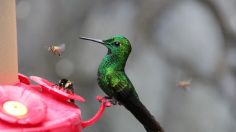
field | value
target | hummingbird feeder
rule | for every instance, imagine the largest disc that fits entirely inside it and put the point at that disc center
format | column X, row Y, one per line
column 27, row 107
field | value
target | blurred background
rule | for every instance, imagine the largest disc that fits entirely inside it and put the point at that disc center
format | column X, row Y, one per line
column 172, row 40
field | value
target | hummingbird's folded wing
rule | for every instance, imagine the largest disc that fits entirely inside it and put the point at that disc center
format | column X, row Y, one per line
column 121, row 85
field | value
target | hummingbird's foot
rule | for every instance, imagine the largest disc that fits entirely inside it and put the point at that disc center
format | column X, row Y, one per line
column 106, row 102
column 112, row 100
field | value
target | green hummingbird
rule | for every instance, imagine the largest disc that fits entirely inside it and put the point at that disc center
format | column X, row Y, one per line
column 115, row 83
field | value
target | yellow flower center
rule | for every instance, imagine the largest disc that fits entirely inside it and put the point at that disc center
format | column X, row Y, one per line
column 15, row 108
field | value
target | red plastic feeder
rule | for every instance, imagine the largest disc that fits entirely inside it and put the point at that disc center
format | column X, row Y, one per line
column 42, row 108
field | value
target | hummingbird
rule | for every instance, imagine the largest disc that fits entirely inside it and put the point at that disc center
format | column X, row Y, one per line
column 113, row 80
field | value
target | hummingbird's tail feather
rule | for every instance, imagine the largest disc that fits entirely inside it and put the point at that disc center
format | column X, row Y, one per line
column 135, row 106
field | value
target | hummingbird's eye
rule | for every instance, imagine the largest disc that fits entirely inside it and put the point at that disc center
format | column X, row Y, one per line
column 117, row 44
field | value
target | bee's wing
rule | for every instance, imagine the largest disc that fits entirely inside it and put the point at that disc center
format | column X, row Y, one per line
column 62, row 47
column 49, row 47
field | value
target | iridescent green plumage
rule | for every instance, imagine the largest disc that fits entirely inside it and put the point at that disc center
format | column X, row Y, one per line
column 115, row 83
column 111, row 74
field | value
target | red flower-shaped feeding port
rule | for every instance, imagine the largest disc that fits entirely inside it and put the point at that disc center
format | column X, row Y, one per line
column 55, row 90
column 18, row 105
column 43, row 107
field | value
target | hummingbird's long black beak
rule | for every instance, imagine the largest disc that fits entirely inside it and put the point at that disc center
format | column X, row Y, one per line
column 91, row 39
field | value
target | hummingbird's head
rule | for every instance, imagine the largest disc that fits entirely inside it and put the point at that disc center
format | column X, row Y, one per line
column 117, row 44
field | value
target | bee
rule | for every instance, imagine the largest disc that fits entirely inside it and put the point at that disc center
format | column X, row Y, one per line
column 184, row 84
column 67, row 85
column 56, row 50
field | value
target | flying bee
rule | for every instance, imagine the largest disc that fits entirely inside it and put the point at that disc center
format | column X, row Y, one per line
column 56, row 50
column 184, row 84
column 67, row 85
